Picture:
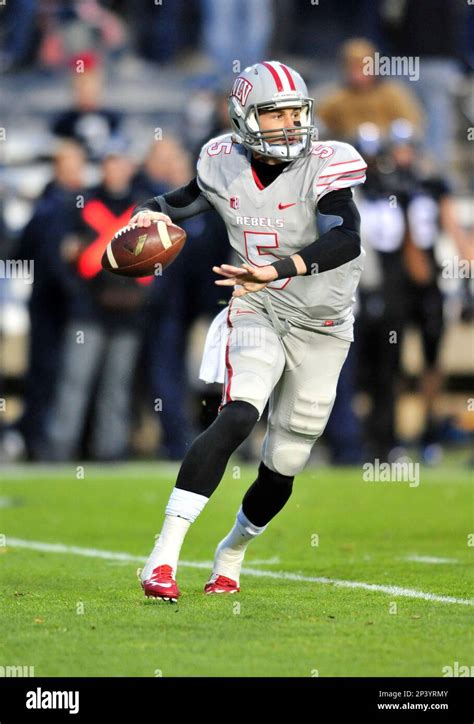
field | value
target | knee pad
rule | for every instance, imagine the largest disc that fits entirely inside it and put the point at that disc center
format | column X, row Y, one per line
column 288, row 444
column 288, row 454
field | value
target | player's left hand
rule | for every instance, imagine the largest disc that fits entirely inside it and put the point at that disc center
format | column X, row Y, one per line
column 249, row 278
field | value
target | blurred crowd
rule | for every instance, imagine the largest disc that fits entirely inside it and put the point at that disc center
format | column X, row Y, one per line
column 103, row 350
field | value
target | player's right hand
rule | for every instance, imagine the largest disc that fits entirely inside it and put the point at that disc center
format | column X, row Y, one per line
column 146, row 218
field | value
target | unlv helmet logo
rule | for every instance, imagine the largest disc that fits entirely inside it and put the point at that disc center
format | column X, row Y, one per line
column 241, row 90
column 234, row 202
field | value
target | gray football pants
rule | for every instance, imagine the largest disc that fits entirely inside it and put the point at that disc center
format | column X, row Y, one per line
column 295, row 369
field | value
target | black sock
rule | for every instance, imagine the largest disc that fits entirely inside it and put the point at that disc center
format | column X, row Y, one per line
column 266, row 496
column 205, row 462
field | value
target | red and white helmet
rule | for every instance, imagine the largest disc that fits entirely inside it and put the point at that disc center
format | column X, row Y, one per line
column 267, row 86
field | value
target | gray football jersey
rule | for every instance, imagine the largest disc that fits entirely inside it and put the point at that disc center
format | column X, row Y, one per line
column 269, row 223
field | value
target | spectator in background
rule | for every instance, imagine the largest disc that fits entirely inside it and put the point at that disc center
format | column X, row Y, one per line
column 365, row 98
column 429, row 210
column 88, row 122
column 205, row 115
column 380, row 313
column 73, row 26
column 218, row 117
column 185, row 292
column 54, row 220
column 432, row 30
column 19, row 25
column 402, row 212
column 160, row 28
column 236, row 30
column 159, row 170
column 314, row 29
column 105, row 328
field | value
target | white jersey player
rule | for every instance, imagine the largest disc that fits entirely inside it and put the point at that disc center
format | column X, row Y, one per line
column 287, row 204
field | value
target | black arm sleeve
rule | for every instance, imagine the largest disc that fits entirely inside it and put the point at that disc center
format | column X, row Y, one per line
column 341, row 243
column 179, row 204
column 337, row 246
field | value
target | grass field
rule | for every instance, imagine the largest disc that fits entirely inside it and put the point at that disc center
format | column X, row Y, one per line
column 82, row 613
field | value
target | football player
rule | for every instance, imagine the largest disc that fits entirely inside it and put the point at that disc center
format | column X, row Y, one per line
column 287, row 204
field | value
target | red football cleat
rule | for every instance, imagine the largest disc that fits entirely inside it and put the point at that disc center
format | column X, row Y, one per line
column 221, row 584
column 161, row 584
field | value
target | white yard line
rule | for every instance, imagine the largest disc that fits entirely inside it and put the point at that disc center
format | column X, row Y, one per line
column 428, row 559
column 280, row 575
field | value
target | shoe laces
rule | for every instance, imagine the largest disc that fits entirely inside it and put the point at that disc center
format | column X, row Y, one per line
column 164, row 571
column 223, row 580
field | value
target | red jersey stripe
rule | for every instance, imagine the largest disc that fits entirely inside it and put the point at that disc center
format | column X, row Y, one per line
column 257, row 180
column 344, row 173
column 342, row 163
column 342, row 179
column 228, row 365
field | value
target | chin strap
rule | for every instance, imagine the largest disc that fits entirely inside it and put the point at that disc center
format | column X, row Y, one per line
column 280, row 151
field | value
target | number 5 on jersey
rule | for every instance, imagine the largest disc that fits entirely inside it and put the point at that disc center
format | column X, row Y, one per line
column 255, row 244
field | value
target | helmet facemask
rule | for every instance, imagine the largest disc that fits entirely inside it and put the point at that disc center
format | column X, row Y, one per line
column 284, row 143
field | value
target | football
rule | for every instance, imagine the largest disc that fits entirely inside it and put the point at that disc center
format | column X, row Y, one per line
column 136, row 251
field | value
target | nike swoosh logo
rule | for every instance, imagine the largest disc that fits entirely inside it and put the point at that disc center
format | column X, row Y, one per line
column 156, row 583
column 285, row 206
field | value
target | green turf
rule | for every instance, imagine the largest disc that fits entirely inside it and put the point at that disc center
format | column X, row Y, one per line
column 273, row 627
